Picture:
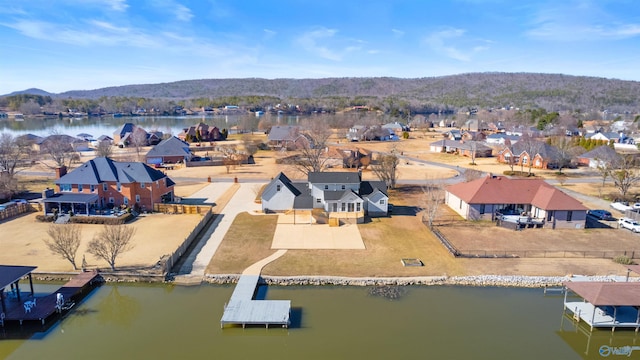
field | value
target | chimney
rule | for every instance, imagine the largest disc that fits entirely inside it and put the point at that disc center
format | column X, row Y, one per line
column 61, row 171
column 47, row 193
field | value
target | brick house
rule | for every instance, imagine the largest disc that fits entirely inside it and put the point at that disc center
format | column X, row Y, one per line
column 104, row 183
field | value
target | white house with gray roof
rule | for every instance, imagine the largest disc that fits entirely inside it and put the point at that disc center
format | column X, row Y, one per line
column 334, row 192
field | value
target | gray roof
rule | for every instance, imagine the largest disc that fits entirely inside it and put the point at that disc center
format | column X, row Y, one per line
column 456, row 144
column 603, row 152
column 10, row 274
column 102, row 169
column 545, row 150
column 170, row 147
column 335, row 195
column 74, row 198
column 368, row 187
column 285, row 132
column 342, row 177
column 303, row 202
column 31, row 138
column 124, row 128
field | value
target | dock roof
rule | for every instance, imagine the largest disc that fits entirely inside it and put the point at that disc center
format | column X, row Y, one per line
column 10, row 274
column 607, row 293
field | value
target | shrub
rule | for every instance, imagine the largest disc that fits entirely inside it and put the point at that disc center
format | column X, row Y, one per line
column 45, row 218
column 623, row 259
column 122, row 219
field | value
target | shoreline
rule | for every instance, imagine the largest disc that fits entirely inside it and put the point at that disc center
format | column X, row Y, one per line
column 517, row 281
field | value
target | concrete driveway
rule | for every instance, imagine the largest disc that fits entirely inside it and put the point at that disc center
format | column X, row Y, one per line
column 317, row 236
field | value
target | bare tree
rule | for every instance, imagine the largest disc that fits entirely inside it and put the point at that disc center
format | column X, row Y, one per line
column 230, row 156
column 138, row 139
column 624, row 174
column 104, row 149
column 13, row 155
column 65, row 240
column 312, row 147
column 250, row 147
column 60, row 149
column 386, row 168
column 472, row 174
column 531, row 147
column 111, row 242
column 433, row 197
column 565, row 151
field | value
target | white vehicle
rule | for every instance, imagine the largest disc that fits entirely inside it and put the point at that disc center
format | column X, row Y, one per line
column 622, row 207
column 630, row 224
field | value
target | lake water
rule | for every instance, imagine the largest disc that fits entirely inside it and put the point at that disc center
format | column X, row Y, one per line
column 173, row 322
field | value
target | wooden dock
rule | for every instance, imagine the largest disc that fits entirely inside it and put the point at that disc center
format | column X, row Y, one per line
column 243, row 310
column 46, row 306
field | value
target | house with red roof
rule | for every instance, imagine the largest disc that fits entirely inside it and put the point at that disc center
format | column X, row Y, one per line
column 492, row 197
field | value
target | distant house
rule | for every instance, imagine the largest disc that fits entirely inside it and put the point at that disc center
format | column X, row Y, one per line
column 338, row 193
column 32, row 140
column 605, row 136
column 453, row 135
column 473, row 135
column 491, row 196
column 59, row 141
column 463, row 148
column 127, row 133
column 170, row 151
column 103, row 182
column 396, row 128
column 545, row 157
column 598, row 157
column 286, row 136
column 501, row 139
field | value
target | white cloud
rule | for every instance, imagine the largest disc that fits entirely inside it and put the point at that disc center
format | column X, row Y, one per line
column 117, row 5
column 397, row 33
column 440, row 42
column 579, row 21
column 312, row 42
column 269, row 33
column 183, row 13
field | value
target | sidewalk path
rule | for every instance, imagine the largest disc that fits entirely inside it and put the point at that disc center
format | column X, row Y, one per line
column 256, row 268
column 243, row 200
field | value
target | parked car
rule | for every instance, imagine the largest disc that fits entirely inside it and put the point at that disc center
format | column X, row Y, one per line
column 621, row 206
column 601, row 214
column 630, row 224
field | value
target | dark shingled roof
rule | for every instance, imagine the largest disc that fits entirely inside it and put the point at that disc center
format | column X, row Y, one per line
column 604, row 152
column 342, row 177
column 367, row 187
column 170, row 147
column 283, row 133
column 102, row 169
column 74, row 198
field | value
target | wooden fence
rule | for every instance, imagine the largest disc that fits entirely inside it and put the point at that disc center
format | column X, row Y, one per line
column 171, row 259
column 181, row 208
column 15, row 211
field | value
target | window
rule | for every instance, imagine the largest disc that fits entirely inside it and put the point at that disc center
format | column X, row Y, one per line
column 105, row 186
column 343, row 187
column 126, row 200
column 278, row 187
column 358, row 206
column 79, row 187
column 343, row 207
column 137, row 198
column 381, row 201
column 118, row 187
column 326, row 187
column 65, row 187
column 525, row 160
column 482, row 209
column 569, row 215
column 549, row 215
column 318, row 200
column 111, row 200
column 142, row 185
column 92, row 188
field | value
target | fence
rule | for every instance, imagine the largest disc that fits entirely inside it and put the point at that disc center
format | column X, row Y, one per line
column 181, row 208
column 170, row 260
column 15, row 211
column 550, row 254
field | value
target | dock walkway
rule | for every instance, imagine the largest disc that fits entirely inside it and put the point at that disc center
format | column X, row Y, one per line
column 45, row 306
column 243, row 310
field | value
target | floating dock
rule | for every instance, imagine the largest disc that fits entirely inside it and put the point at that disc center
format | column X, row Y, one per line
column 243, row 310
column 46, row 306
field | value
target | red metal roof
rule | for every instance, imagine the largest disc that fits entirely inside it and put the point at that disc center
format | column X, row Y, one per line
column 503, row 190
column 607, row 293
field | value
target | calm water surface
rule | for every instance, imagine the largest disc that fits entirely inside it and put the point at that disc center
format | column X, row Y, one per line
column 163, row 322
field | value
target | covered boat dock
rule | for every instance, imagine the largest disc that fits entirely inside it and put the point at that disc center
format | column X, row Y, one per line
column 605, row 304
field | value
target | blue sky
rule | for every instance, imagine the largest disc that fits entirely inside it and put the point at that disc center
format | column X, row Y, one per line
column 87, row 44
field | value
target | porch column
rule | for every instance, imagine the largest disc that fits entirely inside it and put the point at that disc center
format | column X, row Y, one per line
column 31, row 284
column 4, row 306
column 86, row 205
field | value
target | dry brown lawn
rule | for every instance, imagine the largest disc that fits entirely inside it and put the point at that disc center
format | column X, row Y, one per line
column 22, row 242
